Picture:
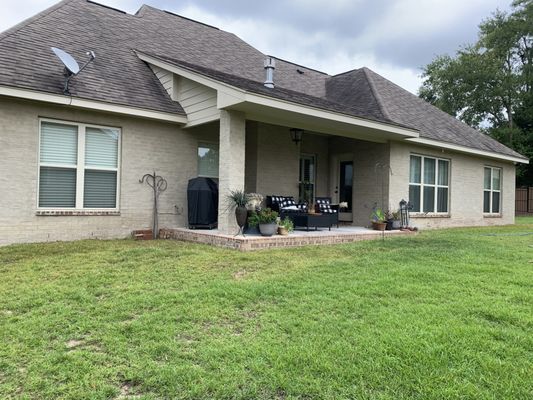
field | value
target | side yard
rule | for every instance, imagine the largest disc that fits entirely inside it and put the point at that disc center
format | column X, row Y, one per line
column 445, row 314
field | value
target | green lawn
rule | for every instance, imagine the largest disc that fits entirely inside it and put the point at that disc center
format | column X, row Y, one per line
column 443, row 315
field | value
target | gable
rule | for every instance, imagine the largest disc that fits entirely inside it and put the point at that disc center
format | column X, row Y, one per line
column 198, row 101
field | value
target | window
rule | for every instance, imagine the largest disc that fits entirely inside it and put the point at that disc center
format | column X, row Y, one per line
column 429, row 184
column 208, row 160
column 307, row 178
column 78, row 166
column 492, row 190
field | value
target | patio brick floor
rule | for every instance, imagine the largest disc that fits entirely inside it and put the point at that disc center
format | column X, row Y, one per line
column 343, row 234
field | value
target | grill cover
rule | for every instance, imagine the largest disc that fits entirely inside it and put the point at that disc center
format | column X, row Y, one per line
column 202, row 200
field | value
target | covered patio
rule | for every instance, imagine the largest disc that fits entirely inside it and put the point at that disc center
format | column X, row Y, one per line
column 264, row 158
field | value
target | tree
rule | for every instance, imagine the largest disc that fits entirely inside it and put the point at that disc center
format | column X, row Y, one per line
column 489, row 84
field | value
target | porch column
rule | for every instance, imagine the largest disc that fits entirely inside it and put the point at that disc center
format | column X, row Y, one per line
column 231, row 165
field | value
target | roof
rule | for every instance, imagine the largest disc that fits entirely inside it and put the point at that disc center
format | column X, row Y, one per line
column 254, row 86
column 118, row 76
column 385, row 98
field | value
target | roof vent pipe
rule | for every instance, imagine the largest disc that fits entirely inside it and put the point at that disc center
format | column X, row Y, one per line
column 270, row 66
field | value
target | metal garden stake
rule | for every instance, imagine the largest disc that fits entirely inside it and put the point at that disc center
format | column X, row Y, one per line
column 158, row 185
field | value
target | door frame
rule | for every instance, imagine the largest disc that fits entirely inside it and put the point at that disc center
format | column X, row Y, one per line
column 335, row 174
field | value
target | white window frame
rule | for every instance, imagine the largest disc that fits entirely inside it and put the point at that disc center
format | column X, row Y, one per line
column 492, row 190
column 207, row 144
column 435, row 185
column 80, row 166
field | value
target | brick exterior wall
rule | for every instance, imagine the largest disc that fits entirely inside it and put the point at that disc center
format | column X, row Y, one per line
column 146, row 146
column 271, row 166
column 466, row 187
column 367, row 182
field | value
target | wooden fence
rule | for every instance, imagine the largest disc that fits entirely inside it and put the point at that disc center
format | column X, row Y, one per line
column 524, row 201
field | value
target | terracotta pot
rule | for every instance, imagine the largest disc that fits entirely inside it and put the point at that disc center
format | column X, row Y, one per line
column 241, row 215
column 379, row 226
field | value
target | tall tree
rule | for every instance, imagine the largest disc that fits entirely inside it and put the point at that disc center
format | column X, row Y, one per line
column 489, row 84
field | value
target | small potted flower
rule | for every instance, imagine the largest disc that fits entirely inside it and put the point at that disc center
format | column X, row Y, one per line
column 267, row 221
column 285, row 226
column 378, row 219
column 396, row 220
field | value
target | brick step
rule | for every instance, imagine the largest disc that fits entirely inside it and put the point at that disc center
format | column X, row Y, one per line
column 143, row 234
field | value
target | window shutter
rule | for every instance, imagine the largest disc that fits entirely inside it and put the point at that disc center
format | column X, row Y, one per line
column 57, row 187
column 101, row 148
column 59, row 144
column 100, row 189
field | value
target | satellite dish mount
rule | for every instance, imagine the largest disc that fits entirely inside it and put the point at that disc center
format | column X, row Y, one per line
column 71, row 66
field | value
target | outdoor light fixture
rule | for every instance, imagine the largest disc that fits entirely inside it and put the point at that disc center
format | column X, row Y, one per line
column 296, row 135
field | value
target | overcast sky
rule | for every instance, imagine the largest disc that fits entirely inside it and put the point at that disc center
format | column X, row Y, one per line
column 395, row 38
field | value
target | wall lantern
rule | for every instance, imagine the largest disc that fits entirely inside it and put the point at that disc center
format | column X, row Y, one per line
column 296, row 135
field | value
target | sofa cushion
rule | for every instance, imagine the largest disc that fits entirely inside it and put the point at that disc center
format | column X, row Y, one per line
column 324, row 206
column 277, row 199
column 287, row 202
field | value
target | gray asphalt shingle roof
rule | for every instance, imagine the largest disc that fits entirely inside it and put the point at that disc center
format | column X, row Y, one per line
column 118, row 76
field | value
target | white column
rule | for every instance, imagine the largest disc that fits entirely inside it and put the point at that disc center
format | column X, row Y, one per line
column 231, row 165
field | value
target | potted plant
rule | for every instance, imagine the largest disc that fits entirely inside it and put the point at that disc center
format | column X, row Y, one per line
column 396, row 220
column 378, row 219
column 388, row 220
column 285, row 226
column 253, row 223
column 238, row 199
column 267, row 221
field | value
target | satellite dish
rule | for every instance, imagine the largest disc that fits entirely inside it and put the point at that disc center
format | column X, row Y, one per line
column 70, row 63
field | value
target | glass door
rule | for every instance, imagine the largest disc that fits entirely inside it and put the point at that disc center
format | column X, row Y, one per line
column 346, row 183
column 307, row 178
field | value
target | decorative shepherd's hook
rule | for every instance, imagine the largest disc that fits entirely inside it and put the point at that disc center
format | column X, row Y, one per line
column 158, row 185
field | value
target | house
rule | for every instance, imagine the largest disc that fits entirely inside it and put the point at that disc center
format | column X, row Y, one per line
column 186, row 99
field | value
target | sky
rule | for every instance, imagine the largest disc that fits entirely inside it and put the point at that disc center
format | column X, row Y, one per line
column 395, row 38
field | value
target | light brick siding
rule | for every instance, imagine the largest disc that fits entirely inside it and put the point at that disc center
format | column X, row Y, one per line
column 370, row 185
column 466, row 187
column 146, row 146
column 272, row 160
column 232, row 149
column 277, row 161
column 271, row 165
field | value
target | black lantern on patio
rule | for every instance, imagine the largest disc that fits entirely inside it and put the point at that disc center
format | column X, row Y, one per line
column 404, row 214
column 296, row 135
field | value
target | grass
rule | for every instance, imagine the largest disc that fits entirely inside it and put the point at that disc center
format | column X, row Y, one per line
column 444, row 315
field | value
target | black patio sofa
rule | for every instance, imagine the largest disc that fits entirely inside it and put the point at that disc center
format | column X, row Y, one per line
column 285, row 206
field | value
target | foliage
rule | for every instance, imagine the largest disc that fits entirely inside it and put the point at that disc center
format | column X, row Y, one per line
column 378, row 215
column 238, row 198
column 253, row 220
column 267, row 216
column 489, row 84
column 287, row 224
column 441, row 315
